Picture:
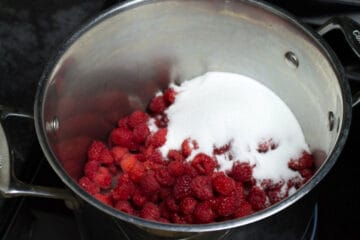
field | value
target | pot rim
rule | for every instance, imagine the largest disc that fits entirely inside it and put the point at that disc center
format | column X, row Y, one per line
column 276, row 208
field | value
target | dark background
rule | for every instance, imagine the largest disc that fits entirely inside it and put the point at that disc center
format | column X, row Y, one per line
column 31, row 31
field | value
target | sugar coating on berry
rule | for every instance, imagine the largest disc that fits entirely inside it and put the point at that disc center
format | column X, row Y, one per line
column 247, row 113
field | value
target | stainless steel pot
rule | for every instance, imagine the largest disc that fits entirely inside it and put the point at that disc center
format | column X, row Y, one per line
column 115, row 64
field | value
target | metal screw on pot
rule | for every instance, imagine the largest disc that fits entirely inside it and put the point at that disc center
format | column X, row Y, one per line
column 53, row 125
column 291, row 59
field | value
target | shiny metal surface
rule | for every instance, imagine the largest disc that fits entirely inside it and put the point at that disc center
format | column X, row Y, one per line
column 118, row 61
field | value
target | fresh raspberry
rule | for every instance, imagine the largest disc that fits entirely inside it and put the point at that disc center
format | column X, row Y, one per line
column 226, row 205
column 123, row 178
column 171, row 204
column 223, row 185
column 241, row 172
column 103, row 178
column 137, row 171
column 124, row 206
column 202, row 188
column 140, row 157
column 150, row 211
column 305, row 161
column 150, row 165
column 138, row 199
column 276, row 195
column 91, row 168
column 159, row 138
column 186, row 147
column 203, row 164
column 123, row 122
column 124, row 191
column 117, row 153
column 182, row 187
column 257, row 198
column 148, row 184
column 244, row 209
column 104, row 198
column 157, row 105
column 106, row 157
column 266, row 145
column 203, row 213
column 164, row 177
column 164, row 211
column 175, row 155
column 121, row 137
column 239, row 191
column 161, row 120
column 163, row 220
column 140, row 133
column 187, row 205
column 94, row 150
column 295, row 182
column 138, row 117
column 128, row 161
column 190, row 170
column 175, row 218
column 155, row 157
column 88, row 185
column 165, row 192
column 176, row 168
column 169, row 96
column 222, row 149
column 306, row 173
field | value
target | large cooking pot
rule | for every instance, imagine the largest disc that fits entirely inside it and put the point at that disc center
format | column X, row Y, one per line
column 119, row 60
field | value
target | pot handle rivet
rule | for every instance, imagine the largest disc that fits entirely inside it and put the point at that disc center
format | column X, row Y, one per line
column 291, row 59
column 53, row 125
column 331, row 118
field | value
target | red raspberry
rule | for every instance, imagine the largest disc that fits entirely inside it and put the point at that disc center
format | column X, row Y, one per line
column 123, row 178
column 239, row 191
column 128, row 161
column 164, row 177
column 123, row 122
column 306, row 173
column 223, row 185
column 176, row 168
column 91, row 169
column 161, row 120
column 150, row 211
column 164, row 211
column 124, row 191
column 157, row 105
column 113, row 169
column 163, row 220
column 124, row 206
column 182, row 187
column 257, row 198
column 203, row 164
column 165, row 192
column 137, row 171
column 121, row 137
column 175, row 155
column 296, row 182
column 187, row 205
column 104, row 198
column 187, row 146
column 106, row 157
column 159, row 138
column 171, row 204
column 202, row 188
column 88, row 185
column 140, row 133
column 103, row 178
column 175, row 218
column 155, row 157
column 138, row 199
column 190, row 170
column 241, row 172
column 117, row 153
column 276, row 195
column 245, row 209
column 266, row 145
column 137, row 117
column 141, row 157
column 226, row 205
column 203, row 213
column 222, row 149
column 94, row 150
column 169, row 96
column 149, row 184
column 305, row 161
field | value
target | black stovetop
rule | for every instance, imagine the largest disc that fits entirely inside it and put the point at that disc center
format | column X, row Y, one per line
column 30, row 31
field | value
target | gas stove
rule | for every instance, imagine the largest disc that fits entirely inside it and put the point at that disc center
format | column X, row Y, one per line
column 30, row 32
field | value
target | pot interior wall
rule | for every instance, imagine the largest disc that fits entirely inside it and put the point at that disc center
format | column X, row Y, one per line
column 118, row 64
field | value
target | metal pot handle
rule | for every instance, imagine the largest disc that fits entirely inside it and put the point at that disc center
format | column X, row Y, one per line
column 10, row 186
column 351, row 31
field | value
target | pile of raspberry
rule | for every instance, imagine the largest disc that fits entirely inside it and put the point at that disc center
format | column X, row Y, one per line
column 130, row 174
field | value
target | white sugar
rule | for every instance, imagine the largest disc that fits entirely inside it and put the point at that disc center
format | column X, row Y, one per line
column 221, row 108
